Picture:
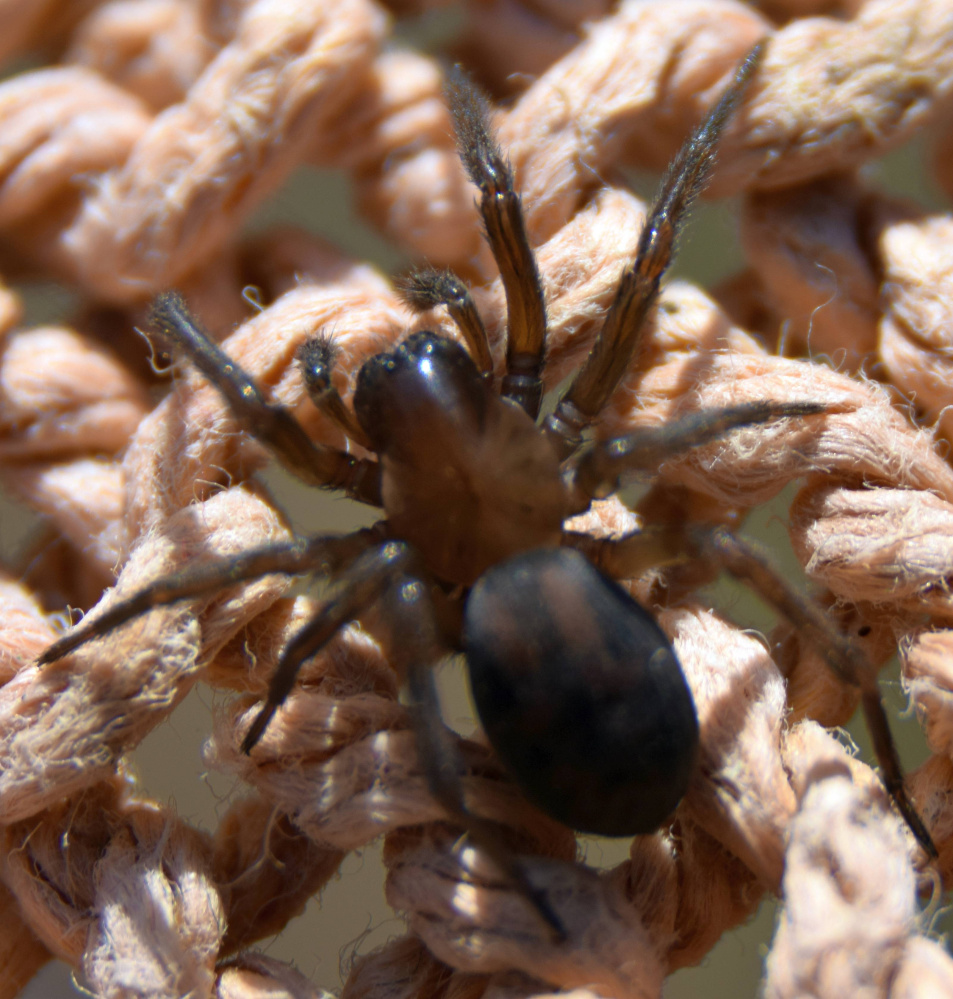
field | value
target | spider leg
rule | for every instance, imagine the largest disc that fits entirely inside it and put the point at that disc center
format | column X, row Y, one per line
column 443, row 765
column 273, row 425
column 747, row 564
column 425, row 289
column 600, row 470
column 291, row 558
column 618, row 341
column 438, row 752
column 506, row 234
column 359, row 585
column 630, row 555
column 386, row 573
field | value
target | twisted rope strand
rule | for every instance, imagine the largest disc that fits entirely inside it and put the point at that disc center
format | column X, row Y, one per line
column 130, row 165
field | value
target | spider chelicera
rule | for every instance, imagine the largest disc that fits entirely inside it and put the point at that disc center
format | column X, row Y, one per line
column 576, row 686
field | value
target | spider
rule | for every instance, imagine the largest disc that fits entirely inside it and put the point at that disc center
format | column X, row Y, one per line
column 576, row 686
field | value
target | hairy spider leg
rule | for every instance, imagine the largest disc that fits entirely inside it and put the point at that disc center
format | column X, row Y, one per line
column 292, row 558
column 617, row 344
column 359, row 585
column 601, row 469
column 746, row 563
column 317, row 465
column 325, row 467
column 506, row 233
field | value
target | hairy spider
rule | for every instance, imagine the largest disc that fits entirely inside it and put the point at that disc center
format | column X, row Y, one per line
column 576, row 686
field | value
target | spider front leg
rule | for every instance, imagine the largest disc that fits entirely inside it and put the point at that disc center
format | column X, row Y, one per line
column 618, row 341
column 317, row 465
column 506, row 234
column 293, row 558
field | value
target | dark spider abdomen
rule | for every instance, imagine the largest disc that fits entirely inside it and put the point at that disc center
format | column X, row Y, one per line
column 580, row 693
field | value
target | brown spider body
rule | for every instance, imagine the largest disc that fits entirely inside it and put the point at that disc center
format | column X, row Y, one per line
column 562, row 662
column 466, row 476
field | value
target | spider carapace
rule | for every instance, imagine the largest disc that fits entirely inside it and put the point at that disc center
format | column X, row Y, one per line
column 577, row 687
column 466, row 476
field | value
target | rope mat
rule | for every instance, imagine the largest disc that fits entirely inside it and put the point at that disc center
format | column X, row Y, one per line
column 131, row 155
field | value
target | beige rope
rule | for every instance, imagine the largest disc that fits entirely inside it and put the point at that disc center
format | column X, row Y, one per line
column 130, row 162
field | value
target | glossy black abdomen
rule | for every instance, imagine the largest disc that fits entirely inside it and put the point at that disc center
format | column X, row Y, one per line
column 580, row 693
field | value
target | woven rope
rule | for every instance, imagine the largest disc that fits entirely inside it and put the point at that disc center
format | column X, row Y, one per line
column 129, row 164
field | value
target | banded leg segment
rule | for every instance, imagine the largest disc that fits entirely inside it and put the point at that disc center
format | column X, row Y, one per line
column 600, row 471
column 618, row 342
column 845, row 660
column 506, row 234
column 291, row 558
column 321, row 466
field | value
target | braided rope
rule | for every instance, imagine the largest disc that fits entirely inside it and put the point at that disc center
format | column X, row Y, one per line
column 130, row 163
